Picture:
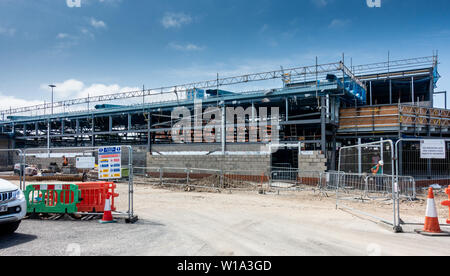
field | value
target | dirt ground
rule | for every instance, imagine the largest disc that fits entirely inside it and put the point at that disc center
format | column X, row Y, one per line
column 289, row 223
column 247, row 223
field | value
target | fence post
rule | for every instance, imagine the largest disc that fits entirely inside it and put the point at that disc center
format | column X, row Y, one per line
column 366, row 183
column 187, row 176
column 161, row 176
column 130, row 184
column 22, row 171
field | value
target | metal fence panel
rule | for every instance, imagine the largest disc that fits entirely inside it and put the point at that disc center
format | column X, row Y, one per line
column 426, row 172
column 12, row 166
column 294, row 179
column 48, row 165
column 202, row 179
column 366, row 174
column 416, row 174
column 244, row 180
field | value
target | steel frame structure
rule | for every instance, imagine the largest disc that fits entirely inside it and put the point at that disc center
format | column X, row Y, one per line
column 307, row 73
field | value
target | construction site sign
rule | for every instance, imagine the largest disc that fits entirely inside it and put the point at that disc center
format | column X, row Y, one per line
column 85, row 162
column 110, row 165
column 432, row 149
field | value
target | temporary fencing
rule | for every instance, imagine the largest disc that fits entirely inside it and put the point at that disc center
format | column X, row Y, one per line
column 12, row 166
column 294, row 179
column 190, row 178
column 94, row 195
column 366, row 178
column 86, row 163
column 426, row 162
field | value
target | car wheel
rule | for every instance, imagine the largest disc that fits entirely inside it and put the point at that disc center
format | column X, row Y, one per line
column 9, row 228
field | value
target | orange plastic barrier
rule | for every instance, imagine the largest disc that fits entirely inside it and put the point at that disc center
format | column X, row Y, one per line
column 94, row 195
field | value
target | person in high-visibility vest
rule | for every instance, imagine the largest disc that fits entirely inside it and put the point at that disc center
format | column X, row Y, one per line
column 65, row 161
column 378, row 172
column 378, row 168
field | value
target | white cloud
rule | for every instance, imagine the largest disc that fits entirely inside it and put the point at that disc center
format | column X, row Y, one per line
column 186, row 47
column 13, row 102
column 62, row 35
column 320, row 3
column 7, row 31
column 263, row 29
column 103, row 89
column 86, row 32
column 339, row 23
column 73, row 88
column 98, row 24
column 65, row 89
column 175, row 20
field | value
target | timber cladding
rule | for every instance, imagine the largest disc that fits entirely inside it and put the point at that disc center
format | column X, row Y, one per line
column 369, row 117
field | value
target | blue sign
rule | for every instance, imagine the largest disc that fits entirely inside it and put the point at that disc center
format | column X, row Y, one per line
column 110, row 162
column 109, row 150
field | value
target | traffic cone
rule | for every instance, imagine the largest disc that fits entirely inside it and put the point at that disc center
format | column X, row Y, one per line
column 447, row 203
column 431, row 218
column 107, row 214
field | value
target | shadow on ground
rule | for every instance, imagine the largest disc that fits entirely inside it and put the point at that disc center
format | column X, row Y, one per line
column 11, row 240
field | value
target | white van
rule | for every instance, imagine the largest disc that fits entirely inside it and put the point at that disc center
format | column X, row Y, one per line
column 13, row 207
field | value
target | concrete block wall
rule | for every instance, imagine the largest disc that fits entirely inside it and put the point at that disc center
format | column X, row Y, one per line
column 256, row 164
column 312, row 161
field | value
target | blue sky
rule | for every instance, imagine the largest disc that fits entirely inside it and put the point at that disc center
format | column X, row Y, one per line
column 108, row 46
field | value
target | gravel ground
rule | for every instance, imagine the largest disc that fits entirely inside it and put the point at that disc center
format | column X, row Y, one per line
column 192, row 224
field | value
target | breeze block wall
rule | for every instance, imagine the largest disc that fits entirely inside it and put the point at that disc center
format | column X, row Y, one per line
column 312, row 161
column 250, row 164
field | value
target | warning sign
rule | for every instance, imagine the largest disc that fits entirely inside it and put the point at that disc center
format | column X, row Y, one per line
column 432, row 149
column 110, row 163
column 85, row 162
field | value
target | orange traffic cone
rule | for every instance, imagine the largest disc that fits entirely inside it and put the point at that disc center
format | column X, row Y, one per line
column 107, row 214
column 431, row 218
column 447, row 203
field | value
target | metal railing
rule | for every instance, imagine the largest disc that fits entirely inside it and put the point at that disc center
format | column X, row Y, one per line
column 196, row 178
column 425, row 171
column 368, row 186
column 244, row 180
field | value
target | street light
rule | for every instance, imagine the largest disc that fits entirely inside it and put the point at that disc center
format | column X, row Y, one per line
column 48, row 123
column 52, row 86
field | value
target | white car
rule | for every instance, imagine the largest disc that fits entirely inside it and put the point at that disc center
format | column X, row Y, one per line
column 13, row 207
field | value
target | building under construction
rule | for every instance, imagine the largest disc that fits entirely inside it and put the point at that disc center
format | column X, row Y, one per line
column 319, row 109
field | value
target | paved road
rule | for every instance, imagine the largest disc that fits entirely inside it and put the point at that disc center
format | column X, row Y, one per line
column 60, row 238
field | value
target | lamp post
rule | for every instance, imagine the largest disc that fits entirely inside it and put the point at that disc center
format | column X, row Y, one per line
column 48, row 122
column 52, row 87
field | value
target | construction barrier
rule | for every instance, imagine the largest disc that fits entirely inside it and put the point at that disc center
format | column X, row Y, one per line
column 192, row 178
column 366, row 174
column 94, row 196
column 55, row 199
column 414, row 159
column 82, row 162
column 447, row 203
column 291, row 179
column 427, row 161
